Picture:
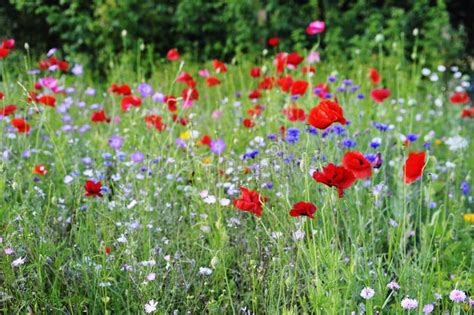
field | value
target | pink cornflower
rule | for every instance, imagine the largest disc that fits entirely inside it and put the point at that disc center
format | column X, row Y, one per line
column 457, row 296
column 393, row 285
column 367, row 293
column 409, row 304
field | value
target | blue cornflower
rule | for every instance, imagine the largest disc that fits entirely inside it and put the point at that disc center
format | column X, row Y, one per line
column 349, row 143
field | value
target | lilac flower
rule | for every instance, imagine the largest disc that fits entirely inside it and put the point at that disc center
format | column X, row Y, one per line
column 428, row 308
column 115, row 142
column 218, row 146
column 19, row 261
column 367, row 293
column 90, row 91
column 145, row 89
column 180, row 142
column 457, row 296
column 409, row 304
column 51, row 52
column 137, row 157
column 77, row 70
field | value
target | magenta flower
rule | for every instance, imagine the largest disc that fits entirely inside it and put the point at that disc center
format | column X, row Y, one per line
column 316, row 27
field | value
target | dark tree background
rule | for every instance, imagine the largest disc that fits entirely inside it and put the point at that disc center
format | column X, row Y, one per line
column 221, row 28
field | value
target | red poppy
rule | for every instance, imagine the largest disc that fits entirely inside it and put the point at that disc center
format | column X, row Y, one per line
column 173, row 54
column 285, row 83
column 250, row 201
column 335, row 176
column 248, row 123
column 280, row 62
column 184, row 77
column 190, row 94
column 130, row 100
column 379, row 95
column 255, row 94
column 7, row 110
column 99, row 117
column 303, row 209
column 171, row 102
column 294, row 59
column 93, row 189
column 321, row 90
column 299, row 87
column 155, row 121
column 466, row 113
column 325, row 114
column 8, row 43
column 413, row 167
column 205, row 140
column 273, row 41
column 40, row 170
column 219, row 66
column 107, row 250
column 256, row 110
column 255, row 72
column 266, row 83
column 294, row 113
column 4, row 52
column 212, row 81
column 47, row 100
column 20, row 124
column 374, row 75
column 123, row 89
column 1, row 96
column 357, row 163
column 460, row 98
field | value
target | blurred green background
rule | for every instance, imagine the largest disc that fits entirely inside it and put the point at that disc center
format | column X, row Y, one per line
column 206, row 29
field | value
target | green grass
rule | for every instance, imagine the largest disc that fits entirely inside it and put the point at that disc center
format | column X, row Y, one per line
column 258, row 265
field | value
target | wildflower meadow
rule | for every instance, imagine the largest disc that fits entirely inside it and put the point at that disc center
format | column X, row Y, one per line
column 279, row 183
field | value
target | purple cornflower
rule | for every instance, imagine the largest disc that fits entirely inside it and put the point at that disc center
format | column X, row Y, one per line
column 137, row 157
column 360, row 96
column 218, row 146
column 331, row 79
column 115, row 142
column 145, row 89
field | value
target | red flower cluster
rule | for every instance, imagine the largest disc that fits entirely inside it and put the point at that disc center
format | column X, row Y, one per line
column 52, row 61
